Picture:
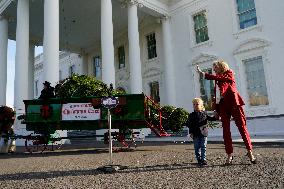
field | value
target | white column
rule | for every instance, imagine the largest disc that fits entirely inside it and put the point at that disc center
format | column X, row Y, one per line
column 21, row 65
column 31, row 71
column 134, row 50
column 108, row 70
column 22, row 56
column 3, row 59
column 168, row 63
column 51, row 41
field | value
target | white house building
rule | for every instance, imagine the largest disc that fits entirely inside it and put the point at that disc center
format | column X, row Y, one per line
column 152, row 46
column 69, row 63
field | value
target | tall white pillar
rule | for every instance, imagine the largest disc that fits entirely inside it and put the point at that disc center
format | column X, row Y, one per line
column 3, row 59
column 51, row 41
column 168, row 63
column 21, row 65
column 108, row 70
column 134, row 50
column 31, row 71
column 22, row 56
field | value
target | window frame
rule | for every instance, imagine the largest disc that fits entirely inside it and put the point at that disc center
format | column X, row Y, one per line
column 71, row 70
column 237, row 32
column 121, row 58
column 97, row 57
column 208, row 106
column 206, row 26
column 246, row 61
column 244, row 12
column 158, row 97
column 191, row 39
column 151, row 47
column 36, row 88
column 249, row 49
column 205, row 62
column 60, row 75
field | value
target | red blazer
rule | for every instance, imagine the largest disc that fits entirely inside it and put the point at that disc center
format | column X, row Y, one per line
column 227, row 85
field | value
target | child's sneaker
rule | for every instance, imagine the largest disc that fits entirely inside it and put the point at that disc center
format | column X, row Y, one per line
column 204, row 162
column 199, row 161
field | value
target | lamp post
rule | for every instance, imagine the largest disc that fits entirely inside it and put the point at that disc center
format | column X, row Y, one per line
column 109, row 103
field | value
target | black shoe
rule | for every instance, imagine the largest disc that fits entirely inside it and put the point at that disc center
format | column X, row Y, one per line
column 204, row 162
column 199, row 162
column 229, row 161
column 253, row 161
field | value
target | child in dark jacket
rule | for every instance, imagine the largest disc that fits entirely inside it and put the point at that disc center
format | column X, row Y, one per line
column 197, row 124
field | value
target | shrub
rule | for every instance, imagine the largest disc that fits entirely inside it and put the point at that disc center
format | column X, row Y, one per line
column 178, row 119
column 83, row 86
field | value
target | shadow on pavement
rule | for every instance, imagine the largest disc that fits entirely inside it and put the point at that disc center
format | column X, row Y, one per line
column 56, row 174
column 64, row 153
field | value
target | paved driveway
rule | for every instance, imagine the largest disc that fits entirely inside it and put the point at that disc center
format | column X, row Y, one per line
column 152, row 165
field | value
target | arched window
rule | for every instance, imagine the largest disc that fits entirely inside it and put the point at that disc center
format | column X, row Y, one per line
column 121, row 89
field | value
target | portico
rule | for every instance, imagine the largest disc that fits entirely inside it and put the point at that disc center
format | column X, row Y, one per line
column 61, row 25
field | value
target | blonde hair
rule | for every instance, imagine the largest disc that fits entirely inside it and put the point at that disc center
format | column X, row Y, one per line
column 222, row 65
column 200, row 102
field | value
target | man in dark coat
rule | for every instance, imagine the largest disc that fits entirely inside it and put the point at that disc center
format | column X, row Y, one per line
column 47, row 91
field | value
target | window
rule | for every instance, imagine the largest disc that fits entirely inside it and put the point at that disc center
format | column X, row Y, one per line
column 36, row 88
column 200, row 27
column 256, row 85
column 121, row 89
column 60, row 75
column 151, row 46
column 71, row 70
column 97, row 67
column 246, row 13
column 206, row 90
column 121, row 57
column 154, row 91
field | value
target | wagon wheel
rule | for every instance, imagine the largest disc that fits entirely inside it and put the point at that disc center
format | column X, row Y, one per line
column 126, row 141
column 131, row 139
column 29, row 144
column 36, row 143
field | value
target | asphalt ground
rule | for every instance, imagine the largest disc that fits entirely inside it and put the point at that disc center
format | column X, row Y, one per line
column 150, row 165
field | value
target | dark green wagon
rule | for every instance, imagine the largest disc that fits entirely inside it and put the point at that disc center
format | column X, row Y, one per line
column 134, row 111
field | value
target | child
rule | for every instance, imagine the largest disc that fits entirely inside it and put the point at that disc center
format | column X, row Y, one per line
column 197, row 124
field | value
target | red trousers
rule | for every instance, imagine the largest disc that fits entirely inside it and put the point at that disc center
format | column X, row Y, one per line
column 237, row 112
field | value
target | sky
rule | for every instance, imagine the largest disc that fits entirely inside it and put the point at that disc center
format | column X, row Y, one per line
column 11, row 71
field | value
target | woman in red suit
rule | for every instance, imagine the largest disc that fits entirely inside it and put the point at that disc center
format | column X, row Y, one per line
column 230, row 105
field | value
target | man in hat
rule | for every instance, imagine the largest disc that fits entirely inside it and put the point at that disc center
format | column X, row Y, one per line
column 47, row 91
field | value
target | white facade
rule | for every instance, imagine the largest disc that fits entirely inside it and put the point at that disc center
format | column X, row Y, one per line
column 69, row 63
column 172, row 67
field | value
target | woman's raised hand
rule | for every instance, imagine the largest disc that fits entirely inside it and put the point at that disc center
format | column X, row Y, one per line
column 199, row 70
